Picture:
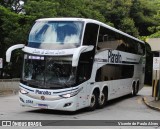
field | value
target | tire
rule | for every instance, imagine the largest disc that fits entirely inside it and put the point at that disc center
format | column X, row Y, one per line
column 137, row 87
column 102, row 100
column 93, row 101
column 134, row 89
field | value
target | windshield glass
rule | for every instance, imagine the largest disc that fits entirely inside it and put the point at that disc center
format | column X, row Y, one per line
column 48, row 72
column 55, row 34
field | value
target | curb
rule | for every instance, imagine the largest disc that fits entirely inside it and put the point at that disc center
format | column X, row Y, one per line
column 149, row 105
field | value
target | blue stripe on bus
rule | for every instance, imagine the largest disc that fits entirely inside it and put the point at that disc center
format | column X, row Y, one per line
column 53, row 92
column 27, row 88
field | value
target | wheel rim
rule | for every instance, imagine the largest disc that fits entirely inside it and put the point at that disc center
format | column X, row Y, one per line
column 101, row 99
column 93, row 100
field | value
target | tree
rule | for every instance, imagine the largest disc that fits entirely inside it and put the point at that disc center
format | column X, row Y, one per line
column 142, row 12
column 120, row 16
column 41, row 8
column 135, row 17
column 155, row 30
column 14, row 5
column 14, row 30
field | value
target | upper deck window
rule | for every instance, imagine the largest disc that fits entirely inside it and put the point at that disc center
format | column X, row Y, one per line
column 56, row 34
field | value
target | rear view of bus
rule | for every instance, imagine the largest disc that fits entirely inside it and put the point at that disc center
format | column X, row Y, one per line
column 73, row 63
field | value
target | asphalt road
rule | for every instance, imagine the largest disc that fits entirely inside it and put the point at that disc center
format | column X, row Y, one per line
column 124, row 108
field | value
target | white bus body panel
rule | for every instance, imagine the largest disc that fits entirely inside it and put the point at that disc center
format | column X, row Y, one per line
column 51, row 99
column 121, row 87
column 34, row 98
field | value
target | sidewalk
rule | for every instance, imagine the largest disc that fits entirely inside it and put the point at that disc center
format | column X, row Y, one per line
column 150, row 102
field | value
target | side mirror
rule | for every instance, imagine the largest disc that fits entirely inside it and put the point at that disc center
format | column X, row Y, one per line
column 77, row 53
column 9, row 51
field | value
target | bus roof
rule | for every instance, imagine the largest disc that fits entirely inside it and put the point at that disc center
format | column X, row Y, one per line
column 86, row 20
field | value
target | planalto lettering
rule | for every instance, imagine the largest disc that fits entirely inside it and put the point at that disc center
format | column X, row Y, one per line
column 43, row 92
column 114, row 58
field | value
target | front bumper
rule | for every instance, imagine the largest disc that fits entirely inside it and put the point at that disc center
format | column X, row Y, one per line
column 64, row 104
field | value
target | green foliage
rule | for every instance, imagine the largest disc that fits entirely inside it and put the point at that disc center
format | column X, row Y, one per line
column 14, row 5
column 14, row 30
column 128, row 26
column 155, row 35
column 41, row 8
column 142, row 12
column 155, row 29
column 140, row 18
column 131, row 16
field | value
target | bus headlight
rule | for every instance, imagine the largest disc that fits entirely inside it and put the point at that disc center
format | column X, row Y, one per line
column 68, row 95
column 23, row 91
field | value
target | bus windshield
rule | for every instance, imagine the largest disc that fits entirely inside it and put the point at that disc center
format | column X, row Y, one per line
column 46, row 72
column 56, row 34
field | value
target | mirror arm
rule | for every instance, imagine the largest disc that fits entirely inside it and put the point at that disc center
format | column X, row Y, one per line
column 9, row 51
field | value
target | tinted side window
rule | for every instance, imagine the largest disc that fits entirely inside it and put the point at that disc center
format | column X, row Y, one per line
column 86, row 59
column 130, row 45
column 112, row 40
column 107, row 39
column 114, row 72
column 90, row 35
column 141, row 49
column 82, row 74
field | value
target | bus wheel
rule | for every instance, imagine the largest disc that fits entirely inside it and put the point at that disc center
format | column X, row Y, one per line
column 137, row 87
column 134, row 89
column 94, row 101
column 102, row 100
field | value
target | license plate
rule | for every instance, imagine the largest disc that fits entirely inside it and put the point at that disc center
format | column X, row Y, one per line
column 43, row 106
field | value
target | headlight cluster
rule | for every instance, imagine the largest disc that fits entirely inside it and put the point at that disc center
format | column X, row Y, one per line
column 23, row 91
column 68, row 95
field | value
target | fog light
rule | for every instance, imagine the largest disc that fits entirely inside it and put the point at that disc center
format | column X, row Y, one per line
column 67, row 104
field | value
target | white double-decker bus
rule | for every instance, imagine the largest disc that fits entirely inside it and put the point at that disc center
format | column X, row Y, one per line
column 73, row 63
